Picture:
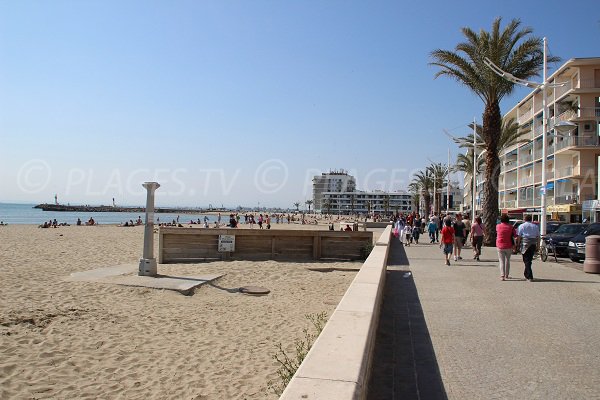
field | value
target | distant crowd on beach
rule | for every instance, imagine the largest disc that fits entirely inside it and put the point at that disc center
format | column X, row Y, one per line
column 55, row 224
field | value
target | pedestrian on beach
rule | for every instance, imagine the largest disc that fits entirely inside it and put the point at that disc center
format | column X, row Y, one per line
column 260, row 221
column 528, row 236
column 459, row 234
column 477, row 233
column 504, row 244
column 447, row 240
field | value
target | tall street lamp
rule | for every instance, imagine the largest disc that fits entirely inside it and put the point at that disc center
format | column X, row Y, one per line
column 545, row 115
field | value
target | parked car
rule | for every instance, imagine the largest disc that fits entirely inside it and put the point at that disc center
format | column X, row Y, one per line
column 577, row 244
column 552, row 226
column 560, row 238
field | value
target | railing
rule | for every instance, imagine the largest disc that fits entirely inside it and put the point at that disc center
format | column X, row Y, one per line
column 528, row 180
column 587, row 83
column 579, row 141
column 526, row 203
column 560, row 90
column 510, row 204
column 565, row 116
column 525, row 117
column 525, row 159
column 564, row 172
column 510, row 184
column 566, row 199
column 589, row 112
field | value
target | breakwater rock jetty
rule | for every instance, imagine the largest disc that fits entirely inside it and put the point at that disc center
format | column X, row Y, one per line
column 88, row 209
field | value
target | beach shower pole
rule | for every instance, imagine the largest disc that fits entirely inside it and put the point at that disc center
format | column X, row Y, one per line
column 148, row 262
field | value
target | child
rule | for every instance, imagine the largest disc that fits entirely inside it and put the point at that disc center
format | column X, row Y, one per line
column 415, row 233
column 447, row 240
column 407, row 234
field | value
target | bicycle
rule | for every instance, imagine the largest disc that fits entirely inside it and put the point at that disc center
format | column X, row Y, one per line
column 546, row 248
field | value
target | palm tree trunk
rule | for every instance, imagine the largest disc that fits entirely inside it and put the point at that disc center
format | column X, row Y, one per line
column 492, row 125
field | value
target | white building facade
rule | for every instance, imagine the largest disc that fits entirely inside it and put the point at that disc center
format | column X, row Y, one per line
column 572, row 160
column 335, row 193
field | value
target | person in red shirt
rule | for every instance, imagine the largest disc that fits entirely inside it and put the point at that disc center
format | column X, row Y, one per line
column 504, row 244
column 447, row 240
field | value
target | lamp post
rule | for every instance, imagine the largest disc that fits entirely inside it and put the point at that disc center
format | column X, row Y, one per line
column 474, row 170
column 541, row 86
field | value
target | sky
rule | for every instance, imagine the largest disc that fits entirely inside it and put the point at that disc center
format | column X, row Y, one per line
column 241, row 102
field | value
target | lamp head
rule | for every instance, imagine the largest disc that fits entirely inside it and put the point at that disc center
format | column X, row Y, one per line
column 564, row 126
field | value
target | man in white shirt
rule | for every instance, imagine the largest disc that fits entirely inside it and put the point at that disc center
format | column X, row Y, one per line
column 528, row 238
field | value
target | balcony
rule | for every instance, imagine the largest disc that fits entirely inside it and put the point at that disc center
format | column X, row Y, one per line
column 509, row 204
column 526, row 203
column 566, row 172
column 561, row 90
column 524, row 117
column 589, row 112
column 566, row 199
column 576, row 141
column 525, row 159
column 528, row 180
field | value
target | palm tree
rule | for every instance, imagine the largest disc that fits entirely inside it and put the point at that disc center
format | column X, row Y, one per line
column 423, row 183
column 464, row 163
column 415, row 191
column 510, row 135
column 297, row 205
column 386, row 203
column 327, row 205
column 439, row 176
column 309, row 203
column 516, row 53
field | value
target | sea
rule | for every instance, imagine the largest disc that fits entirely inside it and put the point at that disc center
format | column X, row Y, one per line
column 27, row 214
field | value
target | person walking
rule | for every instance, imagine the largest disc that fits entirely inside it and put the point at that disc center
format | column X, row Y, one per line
column 447, row 240
column 504, row 244
column 528, row 236
column 467, row 222
column 431, row 228
column 459, row 234
column 477, row 233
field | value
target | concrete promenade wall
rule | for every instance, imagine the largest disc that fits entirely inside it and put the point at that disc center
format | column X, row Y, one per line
column 339, row 363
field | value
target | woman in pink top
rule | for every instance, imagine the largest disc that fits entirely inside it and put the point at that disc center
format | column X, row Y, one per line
column 477, row 233
column 504, row 244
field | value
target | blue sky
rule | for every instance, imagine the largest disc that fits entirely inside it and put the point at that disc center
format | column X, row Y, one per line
column 239, row 102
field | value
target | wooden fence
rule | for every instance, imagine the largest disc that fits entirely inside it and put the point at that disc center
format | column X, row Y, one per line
column 180, row 245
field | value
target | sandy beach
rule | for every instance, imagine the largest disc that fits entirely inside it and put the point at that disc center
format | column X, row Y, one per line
column 67, row 340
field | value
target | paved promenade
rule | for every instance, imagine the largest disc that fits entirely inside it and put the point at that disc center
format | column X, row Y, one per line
column 459, row 332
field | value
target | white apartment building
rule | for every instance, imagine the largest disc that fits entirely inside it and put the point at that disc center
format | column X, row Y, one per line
column 359, row 202
column 572, row 158
column 335, row 193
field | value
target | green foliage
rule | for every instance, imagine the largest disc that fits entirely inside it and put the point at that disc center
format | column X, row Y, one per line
column 366, row 250
column 289, row 363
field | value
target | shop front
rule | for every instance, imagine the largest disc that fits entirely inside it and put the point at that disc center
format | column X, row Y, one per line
column 565, row 212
